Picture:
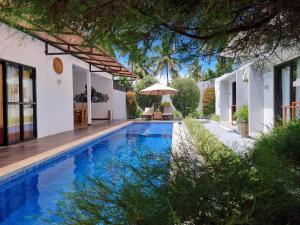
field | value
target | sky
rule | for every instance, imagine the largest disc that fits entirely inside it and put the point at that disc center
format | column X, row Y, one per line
column 183, row 71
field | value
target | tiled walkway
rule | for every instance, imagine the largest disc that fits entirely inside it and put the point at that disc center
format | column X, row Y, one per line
column 18, row 152
column 228, row 136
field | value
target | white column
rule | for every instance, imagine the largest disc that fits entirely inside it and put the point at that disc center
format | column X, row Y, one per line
column 89, row 100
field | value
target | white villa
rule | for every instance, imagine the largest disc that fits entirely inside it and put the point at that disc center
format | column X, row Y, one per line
column 44, row 77
column 264, row 89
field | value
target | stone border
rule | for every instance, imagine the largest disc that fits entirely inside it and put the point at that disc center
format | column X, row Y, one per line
column 182, row 142
column 18, row 167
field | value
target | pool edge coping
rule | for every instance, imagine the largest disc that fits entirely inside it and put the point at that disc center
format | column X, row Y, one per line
column 15, row 168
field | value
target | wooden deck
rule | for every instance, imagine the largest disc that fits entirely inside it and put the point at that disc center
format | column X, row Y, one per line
column 16, row 153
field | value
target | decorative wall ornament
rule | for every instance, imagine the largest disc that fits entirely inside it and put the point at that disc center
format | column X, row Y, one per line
column 58, row 65
column 96, row 96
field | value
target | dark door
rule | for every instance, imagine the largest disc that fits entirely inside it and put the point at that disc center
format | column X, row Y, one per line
column 233, row 105
column 20, row 103
column 277, row 94
column 234, row 93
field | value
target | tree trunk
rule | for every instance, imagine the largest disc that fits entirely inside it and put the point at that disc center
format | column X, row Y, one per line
column 167, row 74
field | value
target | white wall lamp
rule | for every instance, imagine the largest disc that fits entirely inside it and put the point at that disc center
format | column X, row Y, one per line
column 296, row 83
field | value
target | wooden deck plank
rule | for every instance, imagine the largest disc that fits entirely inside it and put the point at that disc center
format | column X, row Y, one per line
column 15, row 153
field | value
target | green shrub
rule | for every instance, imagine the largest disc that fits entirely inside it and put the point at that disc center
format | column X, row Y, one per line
column 221, row 187
column 139, row 112
column 208, row 101
column 186, row 100
column 214, row 117
column 241, row 115
column 262, row 186
column 196, row 114
column 163, row 105
column 146, row 100
column 131, row 104
column 284, row 141
column 177, row 115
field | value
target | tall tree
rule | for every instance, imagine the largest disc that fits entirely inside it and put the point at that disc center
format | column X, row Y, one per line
column 195, row 71
column 165, row 60
column 197, row 27
column 137, row 61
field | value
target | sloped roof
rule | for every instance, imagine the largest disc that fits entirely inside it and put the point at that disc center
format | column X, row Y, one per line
column 75, row 45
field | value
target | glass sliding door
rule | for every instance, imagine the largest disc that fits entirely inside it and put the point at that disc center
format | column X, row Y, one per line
column 21, row 105
column 28, row 103
column 285, row 89
column 13, row 103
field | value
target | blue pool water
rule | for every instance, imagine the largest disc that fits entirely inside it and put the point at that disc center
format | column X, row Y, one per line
column 28, row 198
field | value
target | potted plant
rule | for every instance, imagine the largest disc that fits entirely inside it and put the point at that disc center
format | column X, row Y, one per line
column 241, row 115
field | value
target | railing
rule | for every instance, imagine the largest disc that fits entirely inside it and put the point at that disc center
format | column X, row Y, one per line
column 293, row 111
column 121, row 87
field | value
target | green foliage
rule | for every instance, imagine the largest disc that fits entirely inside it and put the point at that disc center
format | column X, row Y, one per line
column 186, row 100
column 284, row 141
column 196, row 114
column 131, row 104
column 137, row 62
column 165, row 60
column 224, row 65
column 241, row 115
column 163, row 105
column 198, row 28
column 195, row 71
column 124, row 81
column 214, row 117
column 177, row 115
column 220, row 187
column 146, row 100
column 261, row 187
column 139, row 112
column 208, row 101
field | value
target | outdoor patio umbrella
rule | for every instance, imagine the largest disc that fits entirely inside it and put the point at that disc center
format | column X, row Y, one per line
column 158, row 89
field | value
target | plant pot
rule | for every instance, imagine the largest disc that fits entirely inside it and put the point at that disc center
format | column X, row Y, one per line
column 243, row 129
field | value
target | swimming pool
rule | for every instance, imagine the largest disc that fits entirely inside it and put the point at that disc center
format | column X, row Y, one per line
column 28, row 198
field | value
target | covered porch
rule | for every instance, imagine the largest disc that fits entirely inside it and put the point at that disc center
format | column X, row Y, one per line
column 93, row 97
column 243, row 86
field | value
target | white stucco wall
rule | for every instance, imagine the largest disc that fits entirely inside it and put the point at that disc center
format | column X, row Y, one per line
column 119, row 105
column 268, row 99
column 54, row 92
column 222, row 99
column 104, row 86
column 258, row 92
column 241, row 87
column 217, row 96
column 230, row 81
column 256, row 102
column 79, row 80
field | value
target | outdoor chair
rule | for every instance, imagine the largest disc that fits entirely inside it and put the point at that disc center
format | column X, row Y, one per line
column 148, row 113
column 168, row 113
column 80, row 112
